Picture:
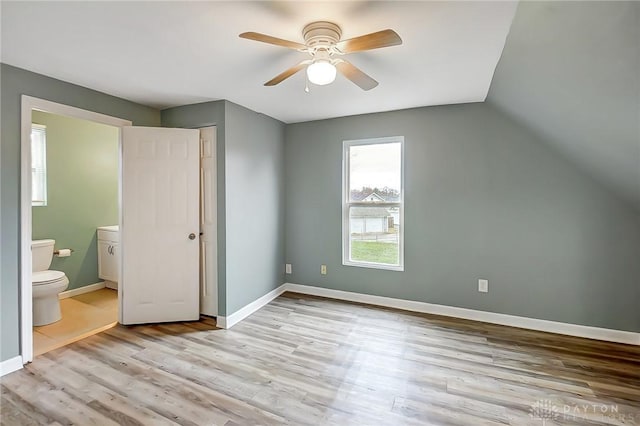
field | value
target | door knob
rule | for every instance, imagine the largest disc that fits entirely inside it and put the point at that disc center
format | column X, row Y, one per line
column 192, row 236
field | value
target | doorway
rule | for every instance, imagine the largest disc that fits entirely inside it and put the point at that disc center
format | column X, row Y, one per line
column 79, row 299
column 162, row 175
column 75, row 168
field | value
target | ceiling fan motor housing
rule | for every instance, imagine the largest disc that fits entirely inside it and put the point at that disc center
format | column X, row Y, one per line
column 321, row 34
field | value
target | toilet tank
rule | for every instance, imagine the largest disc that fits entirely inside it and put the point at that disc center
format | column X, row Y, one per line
column 41, row 254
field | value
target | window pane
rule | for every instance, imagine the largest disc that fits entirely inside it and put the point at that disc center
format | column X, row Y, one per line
column 373, row 204
column 374, row 234
column 38, row 166
column 374, row 172
column 375, row 177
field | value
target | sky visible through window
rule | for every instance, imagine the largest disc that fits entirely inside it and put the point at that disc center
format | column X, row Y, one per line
column 375, row 166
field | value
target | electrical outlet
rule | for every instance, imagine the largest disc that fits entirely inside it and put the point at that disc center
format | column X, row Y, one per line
column 287, row 268
column 483, row 286
column 323, row 269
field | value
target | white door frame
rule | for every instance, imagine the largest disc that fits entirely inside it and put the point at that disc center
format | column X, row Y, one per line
column 29, row 104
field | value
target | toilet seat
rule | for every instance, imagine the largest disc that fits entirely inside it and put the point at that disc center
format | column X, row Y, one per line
column 46, row 277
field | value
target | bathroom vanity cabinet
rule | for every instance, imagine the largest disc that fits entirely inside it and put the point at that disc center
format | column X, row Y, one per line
column 108, row 255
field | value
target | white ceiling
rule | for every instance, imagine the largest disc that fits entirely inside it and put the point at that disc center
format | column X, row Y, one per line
column 166, row 54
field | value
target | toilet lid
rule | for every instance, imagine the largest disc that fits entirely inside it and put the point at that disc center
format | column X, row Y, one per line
column 45, row 277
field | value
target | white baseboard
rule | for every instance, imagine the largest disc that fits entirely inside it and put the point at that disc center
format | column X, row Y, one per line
column 236, row 317
column 589, row 332
column 585, row 331
column 221, row 322
column 85, row 289
column 10, row 365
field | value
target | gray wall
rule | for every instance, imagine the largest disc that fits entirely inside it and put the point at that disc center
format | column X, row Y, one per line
column 250, row 198
column 204, row 115
column 570, row 71
column 14, row 83
column 485, row 198
column 255, row 205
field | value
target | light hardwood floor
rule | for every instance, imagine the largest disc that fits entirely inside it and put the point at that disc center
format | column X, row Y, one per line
column 306, row 360
column 82, row 316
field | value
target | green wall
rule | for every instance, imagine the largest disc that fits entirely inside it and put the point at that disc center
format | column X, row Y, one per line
column 82, row 183
column 485, row 198
column 14, row 82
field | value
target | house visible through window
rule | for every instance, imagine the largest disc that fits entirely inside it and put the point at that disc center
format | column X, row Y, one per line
column 38, row 165
column 373, row 203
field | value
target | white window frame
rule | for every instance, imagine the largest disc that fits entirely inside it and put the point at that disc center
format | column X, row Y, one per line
column 347, row 203
column 41, row 203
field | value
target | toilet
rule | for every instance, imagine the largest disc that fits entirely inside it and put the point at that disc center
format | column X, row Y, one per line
column 47, row 284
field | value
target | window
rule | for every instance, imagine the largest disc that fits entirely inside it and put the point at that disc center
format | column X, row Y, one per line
column 373, row 203
column 38, row 165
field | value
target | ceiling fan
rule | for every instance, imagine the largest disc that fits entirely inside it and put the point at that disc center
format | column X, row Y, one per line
column 322, row 43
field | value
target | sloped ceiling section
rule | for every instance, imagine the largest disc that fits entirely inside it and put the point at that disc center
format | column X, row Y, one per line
column 570, row 71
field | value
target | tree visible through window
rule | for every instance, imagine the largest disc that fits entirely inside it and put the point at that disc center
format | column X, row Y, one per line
column 38, row 165
column 373, row 203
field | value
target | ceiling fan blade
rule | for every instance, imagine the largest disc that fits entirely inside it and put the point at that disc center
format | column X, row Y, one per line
column 272, row 40
column 384, row 38
column 286, row 74
column 357, row 76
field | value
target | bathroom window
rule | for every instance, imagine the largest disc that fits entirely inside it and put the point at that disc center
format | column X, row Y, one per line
column 38, row 165
column 373, row 203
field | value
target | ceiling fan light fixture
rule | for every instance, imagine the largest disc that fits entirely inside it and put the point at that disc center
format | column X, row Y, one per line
column 323, row 43
column 321, row 72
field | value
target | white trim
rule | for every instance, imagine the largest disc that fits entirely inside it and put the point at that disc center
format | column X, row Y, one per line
column 618, row 336
column 242, row 313
column 82, row 290
column 29, row 104
column 221, row 322
column 10, row 365
column 26, row 303
column 346, row 204
column 71, row 111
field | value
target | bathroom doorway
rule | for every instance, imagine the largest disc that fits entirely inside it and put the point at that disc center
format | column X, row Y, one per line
column 74, row 224
column 150, row 151
column 70, row 166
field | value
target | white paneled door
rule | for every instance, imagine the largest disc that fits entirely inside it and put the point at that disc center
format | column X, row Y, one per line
column 159, row 228
column 208, row 224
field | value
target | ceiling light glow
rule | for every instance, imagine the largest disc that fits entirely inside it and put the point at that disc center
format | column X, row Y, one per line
column 321, row 72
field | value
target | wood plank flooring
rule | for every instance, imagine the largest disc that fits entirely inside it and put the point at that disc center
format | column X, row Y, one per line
column 306, row 360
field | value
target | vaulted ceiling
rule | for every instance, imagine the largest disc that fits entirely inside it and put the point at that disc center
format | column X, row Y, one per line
column 570, row 71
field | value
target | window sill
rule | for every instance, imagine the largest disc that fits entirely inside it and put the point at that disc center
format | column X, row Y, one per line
column 369, row 265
